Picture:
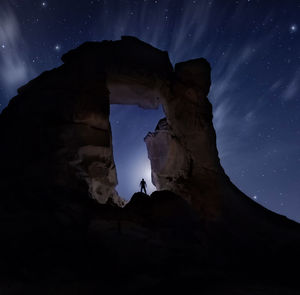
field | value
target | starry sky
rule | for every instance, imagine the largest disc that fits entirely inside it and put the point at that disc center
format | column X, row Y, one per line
column 254, row 50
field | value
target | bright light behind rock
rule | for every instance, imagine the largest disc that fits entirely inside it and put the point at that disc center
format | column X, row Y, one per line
column 130, row 153
column 141, row 169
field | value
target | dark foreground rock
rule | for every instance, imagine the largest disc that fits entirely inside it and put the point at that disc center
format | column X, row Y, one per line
column 157, row 243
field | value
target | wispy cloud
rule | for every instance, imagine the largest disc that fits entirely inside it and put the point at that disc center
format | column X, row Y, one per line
column 189, row 29
column 293, row 88
column 233, row 125
column 227, row 68
column 275, row 86
column 133, row 19
column 15, row 68
column 153, row 27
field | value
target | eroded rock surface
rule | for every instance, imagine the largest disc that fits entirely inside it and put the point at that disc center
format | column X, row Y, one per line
column 183, row 153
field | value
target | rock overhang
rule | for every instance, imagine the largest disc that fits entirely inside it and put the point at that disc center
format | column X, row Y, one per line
column 122, row 55
column 136, row 72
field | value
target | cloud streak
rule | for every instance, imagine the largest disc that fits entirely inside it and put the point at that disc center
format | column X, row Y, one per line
column 224, row 94
column 15, row 68
column 293, row 88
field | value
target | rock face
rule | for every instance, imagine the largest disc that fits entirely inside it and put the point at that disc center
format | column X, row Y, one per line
column 183, row 149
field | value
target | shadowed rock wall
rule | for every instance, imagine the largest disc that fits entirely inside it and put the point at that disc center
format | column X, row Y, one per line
column 182, row 150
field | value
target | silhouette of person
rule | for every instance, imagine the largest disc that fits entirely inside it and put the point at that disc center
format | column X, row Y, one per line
column 143, row 185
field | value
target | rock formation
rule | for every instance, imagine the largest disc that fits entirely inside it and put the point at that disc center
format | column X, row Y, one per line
column 65, row 116
column 183, row 150
column 198, row 234
column 65, row 120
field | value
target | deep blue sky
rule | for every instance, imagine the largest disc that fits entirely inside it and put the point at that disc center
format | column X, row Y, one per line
column 254, row 50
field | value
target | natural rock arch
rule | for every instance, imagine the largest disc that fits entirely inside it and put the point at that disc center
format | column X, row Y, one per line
column 65, row 113
column 56, row 131
column 56, row 146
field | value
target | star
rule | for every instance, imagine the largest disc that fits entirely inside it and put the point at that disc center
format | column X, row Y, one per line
column 3, row 46
column 255, row 197
column 293, row 28
column 44, row 4
column 57, row 47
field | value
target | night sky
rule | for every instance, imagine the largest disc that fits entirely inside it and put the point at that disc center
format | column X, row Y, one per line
column 254, row 50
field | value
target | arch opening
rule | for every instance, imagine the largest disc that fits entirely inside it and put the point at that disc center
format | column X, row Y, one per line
column 130, row 124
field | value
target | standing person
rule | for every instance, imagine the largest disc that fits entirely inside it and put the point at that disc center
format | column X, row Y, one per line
column 143, row 185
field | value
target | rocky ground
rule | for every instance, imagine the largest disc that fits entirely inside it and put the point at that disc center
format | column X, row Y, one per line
column 157, row 243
